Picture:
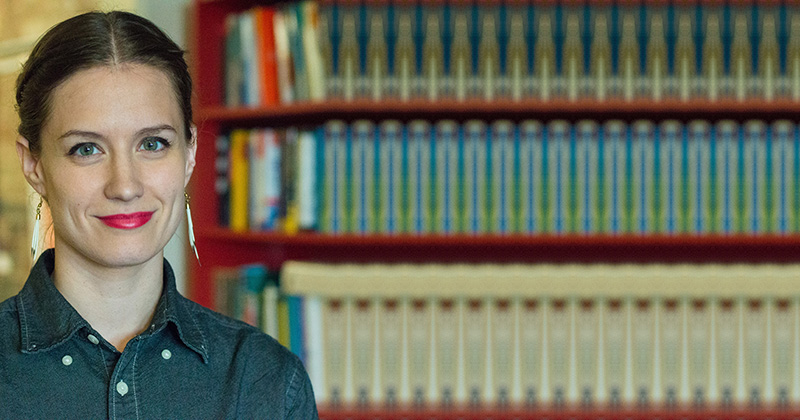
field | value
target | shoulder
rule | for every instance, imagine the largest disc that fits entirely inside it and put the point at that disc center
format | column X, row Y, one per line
column 273, row 379
column 225, row 334
column 9, row 327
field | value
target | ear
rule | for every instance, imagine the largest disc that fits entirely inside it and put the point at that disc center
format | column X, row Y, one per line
column 191, row 155
column 31, row 166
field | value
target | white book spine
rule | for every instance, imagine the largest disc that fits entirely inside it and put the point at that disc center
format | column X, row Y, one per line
column 307, row 179
column 314, row 341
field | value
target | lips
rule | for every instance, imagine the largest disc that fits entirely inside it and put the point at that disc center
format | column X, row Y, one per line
column 127, row 221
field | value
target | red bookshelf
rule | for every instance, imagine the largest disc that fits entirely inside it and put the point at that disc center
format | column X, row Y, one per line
column 310, row 113
column 220, row 247
column 681, row 413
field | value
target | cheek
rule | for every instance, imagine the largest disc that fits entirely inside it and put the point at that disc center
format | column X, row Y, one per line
column 167, row 182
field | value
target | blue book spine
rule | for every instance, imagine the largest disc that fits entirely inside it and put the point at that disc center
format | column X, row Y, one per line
column 476, row 176
column 335, row 181
column 645, row 176
column 363, row 145
column 419, row 160
column 406, row 194
column 701, row 207
column 599, row 186
column 320, row 173
column 378, row 182
column 614, row 163
column 770, row 193
column 586, row 168
column 572, row 200
column 389, row 175
column 757, row 184
column 446, row 175
column 461, row 181
column 782, row 135
column 557, row 142
column 515, row 193
column 668, row 141
column 795, row 181
column 684, row 186
column 726, row 135
column 530, row 156
column 741, row 171
column 296, row 327
column 393, row 136
column 502, row 142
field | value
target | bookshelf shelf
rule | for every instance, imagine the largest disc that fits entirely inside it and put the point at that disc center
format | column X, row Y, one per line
column 526, row 248
column 564, row 414
column 311, row 113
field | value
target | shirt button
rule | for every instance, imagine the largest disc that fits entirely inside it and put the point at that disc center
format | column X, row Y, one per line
column 122, row 388
column 92, row 339
column 66, row 360
column 166, row 354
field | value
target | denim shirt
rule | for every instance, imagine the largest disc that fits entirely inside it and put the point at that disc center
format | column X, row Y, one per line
column 192, row 363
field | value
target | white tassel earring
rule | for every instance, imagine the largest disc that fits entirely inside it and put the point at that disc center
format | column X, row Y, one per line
column 35, row 238
column 190, row 228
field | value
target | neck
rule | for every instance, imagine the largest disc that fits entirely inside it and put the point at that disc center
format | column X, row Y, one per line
column 118, row 302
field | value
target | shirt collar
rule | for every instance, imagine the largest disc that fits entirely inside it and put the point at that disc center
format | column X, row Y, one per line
column 47, row 319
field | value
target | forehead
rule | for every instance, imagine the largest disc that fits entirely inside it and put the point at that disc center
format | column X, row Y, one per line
column 112, row 100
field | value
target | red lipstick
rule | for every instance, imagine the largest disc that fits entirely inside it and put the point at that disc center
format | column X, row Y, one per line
column 127, row 221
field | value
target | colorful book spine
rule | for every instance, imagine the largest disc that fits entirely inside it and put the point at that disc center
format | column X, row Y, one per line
column 264, row 18
column 420, row 177
column 222, row 186
column 264, row 179
column 391, row 154
column 239, row 173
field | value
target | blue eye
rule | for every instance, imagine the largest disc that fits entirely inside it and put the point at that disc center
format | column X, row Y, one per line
column 84, row 149
column 154, row 144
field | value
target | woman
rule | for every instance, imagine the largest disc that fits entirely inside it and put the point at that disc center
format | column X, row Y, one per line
column 99, row 329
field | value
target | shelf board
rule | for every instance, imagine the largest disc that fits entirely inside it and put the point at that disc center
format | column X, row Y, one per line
column 305, row 113
column 556, row 414
column 518, row 248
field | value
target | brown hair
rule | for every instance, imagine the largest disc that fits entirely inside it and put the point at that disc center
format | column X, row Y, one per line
column 89, row 40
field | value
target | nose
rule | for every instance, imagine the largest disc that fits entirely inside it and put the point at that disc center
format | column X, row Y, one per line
column 123, row 181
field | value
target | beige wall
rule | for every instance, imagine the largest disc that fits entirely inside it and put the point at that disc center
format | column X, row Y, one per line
column 21, row 23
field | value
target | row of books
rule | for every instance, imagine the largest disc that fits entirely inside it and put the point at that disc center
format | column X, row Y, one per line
column 530, row 177
column 272, row 55
column 544, row 336
column 267, row 178
column 488, row 50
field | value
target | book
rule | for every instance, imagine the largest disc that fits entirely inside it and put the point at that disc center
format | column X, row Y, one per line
column 222, row 186
column 239, row 174
column 265, row 178
column 283, row 58
column 264, row 18
column 312, row 54
column 234, row 71
column 251, row 68
column 308, row 163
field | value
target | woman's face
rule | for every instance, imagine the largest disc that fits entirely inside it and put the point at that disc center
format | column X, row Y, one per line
column 113, row 165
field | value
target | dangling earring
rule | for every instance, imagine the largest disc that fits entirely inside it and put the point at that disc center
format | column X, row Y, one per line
column 35, row 238
column 190, row 228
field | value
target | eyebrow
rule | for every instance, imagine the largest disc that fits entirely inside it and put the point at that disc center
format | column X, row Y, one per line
column 147, row 131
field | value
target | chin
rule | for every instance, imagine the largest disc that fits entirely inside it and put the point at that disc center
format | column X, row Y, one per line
column 125, row 257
